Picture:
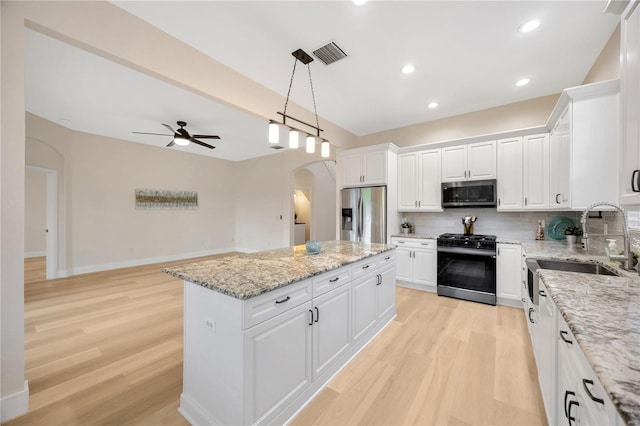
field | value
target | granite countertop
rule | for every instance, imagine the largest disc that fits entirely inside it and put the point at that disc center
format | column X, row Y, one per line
column 248, row 275
column 603, row 312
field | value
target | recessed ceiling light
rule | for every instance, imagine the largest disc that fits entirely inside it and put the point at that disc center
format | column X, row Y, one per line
column 408, row 69
column 529, row 26
column 522, row 82
column 359, row 2
column 433, row 104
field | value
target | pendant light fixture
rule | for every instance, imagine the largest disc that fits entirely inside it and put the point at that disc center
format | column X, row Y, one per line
column 294, row 133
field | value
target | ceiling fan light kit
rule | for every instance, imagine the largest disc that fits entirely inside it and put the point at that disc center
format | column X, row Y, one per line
column 294, row 133
column 181, row 137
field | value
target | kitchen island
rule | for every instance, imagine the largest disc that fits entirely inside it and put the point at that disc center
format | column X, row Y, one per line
column 602, row 314
column 264, row 332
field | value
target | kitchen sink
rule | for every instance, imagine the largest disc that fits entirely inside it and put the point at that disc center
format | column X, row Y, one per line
column 570, row 266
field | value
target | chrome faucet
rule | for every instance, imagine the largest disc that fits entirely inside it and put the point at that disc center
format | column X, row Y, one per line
column 627, row 258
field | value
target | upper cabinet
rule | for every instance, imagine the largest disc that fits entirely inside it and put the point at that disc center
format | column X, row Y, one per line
column 584, row 146
column 523, row 172
column 476, row 161
column 364, row 168
column 629, row 184
column 419, row 181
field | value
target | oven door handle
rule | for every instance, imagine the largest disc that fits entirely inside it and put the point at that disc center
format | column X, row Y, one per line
column 473, row 252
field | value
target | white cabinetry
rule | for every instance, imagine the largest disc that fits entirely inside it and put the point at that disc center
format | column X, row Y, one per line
column 419, row 180
column 584, row 127
column 260, row 360
column 523, row 172
column 508, row 274
column 474, row 161
column 364, row 168
column 630, row 91
column 544, row 350
column 416, row 264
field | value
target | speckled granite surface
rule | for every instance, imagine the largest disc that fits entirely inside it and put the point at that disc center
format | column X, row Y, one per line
column 248, row 275
column 603, row 313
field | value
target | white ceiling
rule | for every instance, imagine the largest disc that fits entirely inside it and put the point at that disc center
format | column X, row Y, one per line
column 467, row 54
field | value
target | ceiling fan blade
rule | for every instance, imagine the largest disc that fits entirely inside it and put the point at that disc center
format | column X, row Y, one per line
column 202, row 143
column 171, row 143
column 170, row 128
column 145, row 133
column 206, row 136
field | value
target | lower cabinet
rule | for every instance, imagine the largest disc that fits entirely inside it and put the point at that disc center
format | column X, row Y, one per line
column 544, row 347
column 417, row 262
column 509, row 274
column 260, row 360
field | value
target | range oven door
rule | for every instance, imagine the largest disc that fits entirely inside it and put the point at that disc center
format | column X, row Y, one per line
column 467, row 274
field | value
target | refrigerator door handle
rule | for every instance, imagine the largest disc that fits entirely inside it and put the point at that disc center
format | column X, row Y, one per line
column 360, row 218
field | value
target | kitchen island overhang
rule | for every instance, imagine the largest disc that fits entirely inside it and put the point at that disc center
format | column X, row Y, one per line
column 264, row 332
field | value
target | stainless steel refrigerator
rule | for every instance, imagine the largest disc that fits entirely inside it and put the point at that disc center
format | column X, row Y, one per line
column 364, row 214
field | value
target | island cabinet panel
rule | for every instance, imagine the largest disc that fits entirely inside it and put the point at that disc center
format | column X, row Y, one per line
column 278, row 353
column 261, row 359
column 331, row 328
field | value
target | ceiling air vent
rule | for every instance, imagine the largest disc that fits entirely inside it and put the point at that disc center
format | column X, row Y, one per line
column 276, row 147
column 329, row 53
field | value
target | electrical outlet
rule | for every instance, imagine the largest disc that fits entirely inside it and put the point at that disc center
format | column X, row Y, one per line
column 210, row 324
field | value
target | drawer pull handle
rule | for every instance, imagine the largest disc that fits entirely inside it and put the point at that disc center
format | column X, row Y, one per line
column 317, row 314
column 365, row 267
column 593, row 398
column 311, row 320
column 542, row 293
column 564, row 339
column 567, row 394
column 569, row 416
column 425, row 244
column 334, row 280
column 387, row 258
column 286, row 299
column 634, row 188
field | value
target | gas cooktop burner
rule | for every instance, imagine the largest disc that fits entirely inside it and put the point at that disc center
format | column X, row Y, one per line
column 475, row 242
column 463, row 237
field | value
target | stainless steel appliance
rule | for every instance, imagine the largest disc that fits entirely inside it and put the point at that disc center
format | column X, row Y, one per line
column 467, row 267
column 364, row 214
column 471, row 193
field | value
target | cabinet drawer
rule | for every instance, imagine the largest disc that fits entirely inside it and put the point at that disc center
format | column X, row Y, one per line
column 414, row 243
column 268, row 305
column 386, row 258
column 330, row 280
column 364, row 267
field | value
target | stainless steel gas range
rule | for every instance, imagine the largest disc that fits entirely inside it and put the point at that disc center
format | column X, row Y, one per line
column 467, row 267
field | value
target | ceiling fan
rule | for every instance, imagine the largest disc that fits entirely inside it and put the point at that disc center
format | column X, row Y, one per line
column 182, row 137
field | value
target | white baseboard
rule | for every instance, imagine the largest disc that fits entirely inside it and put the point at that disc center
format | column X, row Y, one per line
column 30, row 254
column 139, row 262
column 14, row 405
column 245, row 250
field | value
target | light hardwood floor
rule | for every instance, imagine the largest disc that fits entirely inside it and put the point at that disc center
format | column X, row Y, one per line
column 106, row 348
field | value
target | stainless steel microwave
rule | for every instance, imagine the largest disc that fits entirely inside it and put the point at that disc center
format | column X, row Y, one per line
column 469, row 193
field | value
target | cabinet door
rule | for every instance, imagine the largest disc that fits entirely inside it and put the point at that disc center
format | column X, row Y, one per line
column 510, row 174
column 454, row 163
column 386, row 287
column 508, row 273
column 278, row 352
column 545, row 350
column 364, row 306
column 407, row 182
column 375, row 167
column 404, row 263
column 429, row 178
column 560, row 162
column 630, row 102
column 425, row 267
column 481, row 160
column 352, row 172
column 331, row 328
column 536, row 171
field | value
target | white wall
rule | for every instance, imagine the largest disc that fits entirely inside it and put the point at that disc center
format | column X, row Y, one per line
column 99, row 176
column 323, row 203
column 35, row 209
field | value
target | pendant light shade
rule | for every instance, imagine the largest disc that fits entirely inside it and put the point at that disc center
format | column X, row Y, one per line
column 311, row 144
column 324, row 149
column 274, row 132
column 293, row 139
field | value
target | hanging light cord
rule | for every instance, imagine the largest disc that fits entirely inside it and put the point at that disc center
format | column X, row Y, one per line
column 286, row 102
column 313, row 96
